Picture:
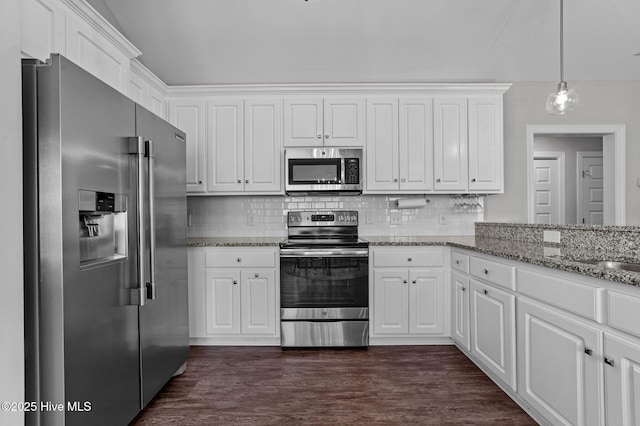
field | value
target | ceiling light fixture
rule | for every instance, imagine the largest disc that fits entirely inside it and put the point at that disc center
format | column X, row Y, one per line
column 563, row 99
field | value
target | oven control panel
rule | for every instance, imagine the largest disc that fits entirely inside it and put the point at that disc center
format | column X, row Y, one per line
column 323, row 218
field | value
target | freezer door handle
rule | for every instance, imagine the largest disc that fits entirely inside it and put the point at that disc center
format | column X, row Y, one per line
column 137, row 148
column 151, row 285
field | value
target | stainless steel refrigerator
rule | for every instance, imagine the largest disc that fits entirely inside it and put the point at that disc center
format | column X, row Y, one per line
column 105, row 249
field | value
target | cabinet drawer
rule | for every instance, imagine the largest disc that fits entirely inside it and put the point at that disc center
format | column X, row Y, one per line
column 571, row 296
column 240, row 258
column 623, row 312
column 460, row 262
column 407, row 258
column 492, row 272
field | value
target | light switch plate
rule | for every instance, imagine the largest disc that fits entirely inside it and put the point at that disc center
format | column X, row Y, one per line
column 551, row 236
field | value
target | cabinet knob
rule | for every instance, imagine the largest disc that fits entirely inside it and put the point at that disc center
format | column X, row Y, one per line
column 239, row 259
column 588, row 351
column 235, row 282
column 464, row 288
column 438, row 180
column 239, row 180
column 257, row 275
column 457, row 262
column 199, row 182
column 246, row 181
column 395, row 179
column 319, row 136
column 414, row 282
column 404, row 281
column 485, row 291
column 409, row 259
column 473, row 180
column 403, row 180
column 486, row 271
column 326, row 136
column 609, row 361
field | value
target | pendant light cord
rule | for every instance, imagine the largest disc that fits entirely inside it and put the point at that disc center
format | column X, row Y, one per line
column 561, row 41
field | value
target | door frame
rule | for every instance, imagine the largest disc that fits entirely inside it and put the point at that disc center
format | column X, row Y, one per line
column 580, row 156
column 559, row 157
column 613, row 156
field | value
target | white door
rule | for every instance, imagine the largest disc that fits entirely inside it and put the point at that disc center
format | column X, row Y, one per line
column 622, row 381
column 426, row 301
column 262, row 145
column 590, row 184
column 225, row 156
column 546, row 192
column 485, row 144
column 416, row 144
column 390, row 301
column 559, row 365
column 493, row 330
column 303, row 122
column 344, row 122
column 450, row 144
column 258, row 302
column 222, row 301
column 382, row 144
column 460, row 309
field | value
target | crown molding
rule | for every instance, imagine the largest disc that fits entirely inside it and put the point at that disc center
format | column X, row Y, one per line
column 143, row 72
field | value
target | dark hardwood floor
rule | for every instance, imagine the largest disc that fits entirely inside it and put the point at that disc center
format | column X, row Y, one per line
column 387, row 385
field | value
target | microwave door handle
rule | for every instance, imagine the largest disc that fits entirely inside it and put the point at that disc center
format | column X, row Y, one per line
column 152, row 286
column 137, row 148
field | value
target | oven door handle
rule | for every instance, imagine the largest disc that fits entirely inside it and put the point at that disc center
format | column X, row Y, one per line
column 291, row 252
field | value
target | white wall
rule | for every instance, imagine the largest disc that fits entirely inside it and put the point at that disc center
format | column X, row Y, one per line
column 602, row 102
column 11, row 283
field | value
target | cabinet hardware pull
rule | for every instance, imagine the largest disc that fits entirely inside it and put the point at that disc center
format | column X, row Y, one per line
column 438, row 180
column 246, row 181
column 457, row 262
column 609, row 361
column 257, row 275
column 239, row 180
column 404, row 180
column 409, row 259
column 464, row 289
column 319, row 136
column 395, row 179
column 239, row 259
column 588, row 351
column 404, row 281
column 473, row 180
column 486, row 271
column 414, row 282
column 326, row 136
column 199, row 182
column 235, row 282
column 485, row 291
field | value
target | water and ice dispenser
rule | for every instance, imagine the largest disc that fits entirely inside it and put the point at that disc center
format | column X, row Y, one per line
column 103, row 227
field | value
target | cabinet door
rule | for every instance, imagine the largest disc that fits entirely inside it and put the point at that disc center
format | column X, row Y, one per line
column 222, row 301
column 622, row 380
column 344, row 122
column 42, row 28
column 225, row 156
column 416, row 144
column 493, row 330
column 460, row 309
column 258, row 302
column 450, row 144
column 188, row 115
column 559, row 368
column 390, row 301
column 382, row 144
column 485, row 145
column 262, row 145
column 303, row 122
column 426, row 301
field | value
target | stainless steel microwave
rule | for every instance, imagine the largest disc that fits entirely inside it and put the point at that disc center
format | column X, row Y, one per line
column 323, row 170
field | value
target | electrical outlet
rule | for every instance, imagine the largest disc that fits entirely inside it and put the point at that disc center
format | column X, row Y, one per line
column 370, row 218
column 551, row 236
column 442, row 219
column 251, row 220
column 396, row 218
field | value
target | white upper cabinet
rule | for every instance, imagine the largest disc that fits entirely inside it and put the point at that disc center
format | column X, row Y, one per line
column 42, row 28
column 450, row 144
column 225, row 158
column 416, row 144
column 324, row 122
column 189, row 116
column 485, row 145
column 382, row 145
column 262, row 145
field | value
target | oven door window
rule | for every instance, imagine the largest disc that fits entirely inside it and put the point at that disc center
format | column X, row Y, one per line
column 312, row 171
column 313, row 282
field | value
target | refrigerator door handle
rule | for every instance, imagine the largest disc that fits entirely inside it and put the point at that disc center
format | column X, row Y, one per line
column 137, row 148
column 152, row 288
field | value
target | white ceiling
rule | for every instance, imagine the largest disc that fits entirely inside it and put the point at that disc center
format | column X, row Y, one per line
column 347, row 41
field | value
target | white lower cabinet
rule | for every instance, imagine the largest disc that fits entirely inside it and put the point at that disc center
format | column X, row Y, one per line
column 622, row 380
column 233, row 296
column 560, row 369
column 408, row 302
column 460, row 309
column 492, row 322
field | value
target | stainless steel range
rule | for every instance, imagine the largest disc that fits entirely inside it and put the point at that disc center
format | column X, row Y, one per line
column 324, row 281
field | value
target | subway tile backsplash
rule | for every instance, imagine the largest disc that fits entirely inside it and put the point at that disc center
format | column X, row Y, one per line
column 265, row 216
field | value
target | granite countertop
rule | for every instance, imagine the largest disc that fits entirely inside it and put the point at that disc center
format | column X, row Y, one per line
column 535, row 253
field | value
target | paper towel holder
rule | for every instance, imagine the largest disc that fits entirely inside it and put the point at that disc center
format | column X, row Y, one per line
column 412, row 203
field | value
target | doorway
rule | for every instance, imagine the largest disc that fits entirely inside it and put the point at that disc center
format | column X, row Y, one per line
column 613, row 167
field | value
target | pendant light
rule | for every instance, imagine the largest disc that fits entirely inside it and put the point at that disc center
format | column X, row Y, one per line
column 563, row 99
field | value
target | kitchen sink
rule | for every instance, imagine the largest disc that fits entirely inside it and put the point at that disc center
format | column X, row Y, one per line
column 621, row 266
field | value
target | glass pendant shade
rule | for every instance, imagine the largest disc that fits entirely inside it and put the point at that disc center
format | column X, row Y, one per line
column 562, row 100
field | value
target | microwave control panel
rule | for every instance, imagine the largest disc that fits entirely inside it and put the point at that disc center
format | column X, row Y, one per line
column 352, row 170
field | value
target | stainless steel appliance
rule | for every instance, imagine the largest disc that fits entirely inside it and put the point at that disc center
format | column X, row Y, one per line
column 106, row 309
column 322, row 170
column 324, row 281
